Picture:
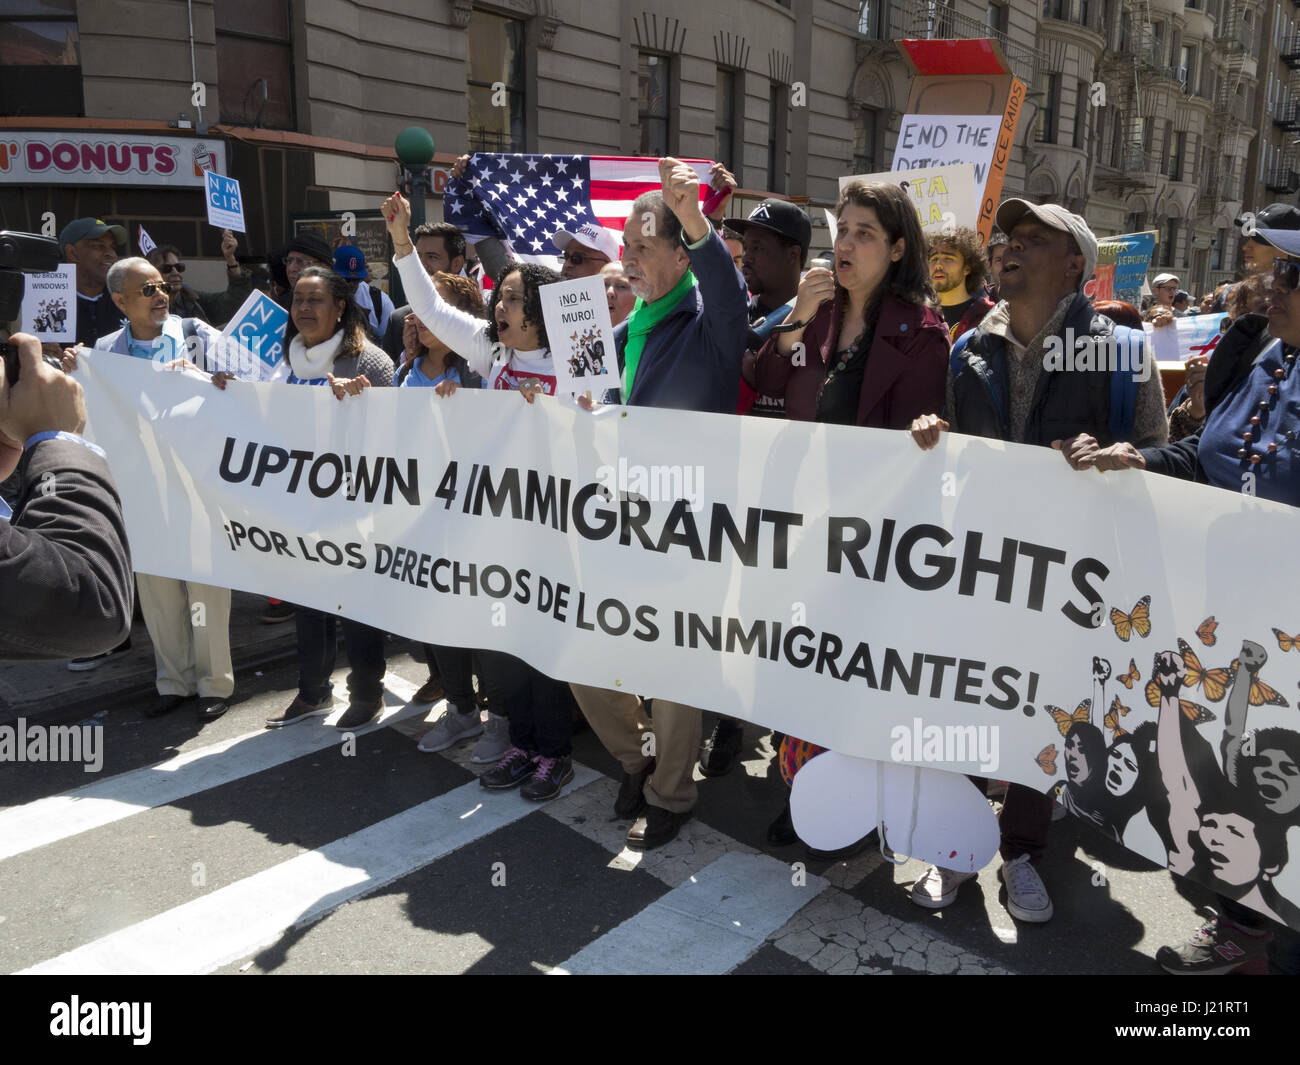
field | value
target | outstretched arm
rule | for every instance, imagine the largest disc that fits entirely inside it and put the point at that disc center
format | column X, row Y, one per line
column 1249, row 663
column 1169, row 673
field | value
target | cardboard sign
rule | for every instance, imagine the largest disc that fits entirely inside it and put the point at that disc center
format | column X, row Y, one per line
column 581, row 335
column 253, row 340
column 966, row 80
column 50, row 305
column 225, row 205
column 1122, row 264
column 944, row 196
column 927, row 141
column 1194, row 335
column 65, row 157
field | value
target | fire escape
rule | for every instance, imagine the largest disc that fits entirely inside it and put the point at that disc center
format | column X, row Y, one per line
column 1284, row 175
column 1236, row 41
column 1127, row 164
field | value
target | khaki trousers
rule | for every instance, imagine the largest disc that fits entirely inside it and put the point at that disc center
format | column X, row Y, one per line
column 191, row 658
column 620, row 720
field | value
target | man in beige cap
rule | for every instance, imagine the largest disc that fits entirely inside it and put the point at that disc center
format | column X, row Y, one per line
column 1164, row 287
column 1007, row 383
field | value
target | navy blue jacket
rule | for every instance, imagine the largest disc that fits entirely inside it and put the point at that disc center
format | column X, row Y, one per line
column 691, row 360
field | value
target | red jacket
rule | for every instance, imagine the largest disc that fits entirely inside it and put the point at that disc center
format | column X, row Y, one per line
column 905, row 375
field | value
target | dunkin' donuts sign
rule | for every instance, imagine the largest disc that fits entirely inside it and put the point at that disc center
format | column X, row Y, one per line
column 73, row 158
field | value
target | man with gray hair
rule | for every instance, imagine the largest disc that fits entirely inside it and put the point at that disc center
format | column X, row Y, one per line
column 681, row 347
column 1004, row 384
column 188, row 622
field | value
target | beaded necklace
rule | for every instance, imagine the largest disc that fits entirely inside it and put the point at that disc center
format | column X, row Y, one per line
column 848, row 355
column 1265, row 405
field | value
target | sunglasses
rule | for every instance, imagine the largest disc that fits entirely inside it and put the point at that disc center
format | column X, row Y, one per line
column 174, row 268
column 578, row 258
column 1287, row 273
column 151, row 288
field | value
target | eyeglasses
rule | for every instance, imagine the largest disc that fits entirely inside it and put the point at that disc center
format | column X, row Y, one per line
column 1286, row 272
column 173, row 268
column 151, row 288
column 577, row 258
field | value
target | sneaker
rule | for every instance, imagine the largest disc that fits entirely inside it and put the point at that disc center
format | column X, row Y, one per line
column 81, row 665
column 1218, row 947
column 721, row 749
column 1027, row 898
column 430, row 692
column 358, row 714
column 549, row 776
column 495, row 742
column 938, row 887
column 511, row 771
column 449, row 730
column 298, row 710
column 275, row 613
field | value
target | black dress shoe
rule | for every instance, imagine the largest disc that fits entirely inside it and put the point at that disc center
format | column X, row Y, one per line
column 722, row 748
column 631, row 800
column 655, row 828
column 781, row 833
column 166, row 704
column 212, row 707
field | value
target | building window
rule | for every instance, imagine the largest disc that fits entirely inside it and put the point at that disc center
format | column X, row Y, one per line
column 496, row 89
column 1187, row 65
column 40, row 58
column 778, row 111
column 1081, row 112
column 255, row 63
column 1174, row 162
column 654, row 103
column 865, row 141
column 728, row 119
column 1057, row 9
column 996, row 17
column 1169, row 238
column 869, row 20
column 1045, row 132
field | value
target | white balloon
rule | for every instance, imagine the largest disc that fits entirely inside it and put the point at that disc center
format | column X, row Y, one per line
column 929, row 814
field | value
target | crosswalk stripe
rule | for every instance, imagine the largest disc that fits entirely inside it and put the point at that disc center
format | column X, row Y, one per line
column 707, row 925
column 57, row 817
column 235, row 921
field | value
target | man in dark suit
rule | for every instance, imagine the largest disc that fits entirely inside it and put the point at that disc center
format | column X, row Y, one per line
column 65, row 569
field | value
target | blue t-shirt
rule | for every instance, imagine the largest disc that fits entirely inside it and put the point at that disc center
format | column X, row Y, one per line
column 415, row 379
column 1277, row 475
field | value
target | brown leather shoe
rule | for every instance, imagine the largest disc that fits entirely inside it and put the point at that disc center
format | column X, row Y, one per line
column 430, row 692
column 655, row 828
column 631, row 800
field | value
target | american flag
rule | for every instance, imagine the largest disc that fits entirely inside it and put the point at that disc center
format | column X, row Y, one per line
column 523, row 199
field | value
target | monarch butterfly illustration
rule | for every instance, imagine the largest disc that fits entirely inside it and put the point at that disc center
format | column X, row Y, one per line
column 1065, row 721
column 1128, row 679
column 1046, row 759
column 1137, row 620
column 1261, row 693
column 1111, row 720
column 1286, row 642
column 1214, row 682
column 1205, row 631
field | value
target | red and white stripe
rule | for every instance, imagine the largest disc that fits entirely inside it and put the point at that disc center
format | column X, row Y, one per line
column 616, row 181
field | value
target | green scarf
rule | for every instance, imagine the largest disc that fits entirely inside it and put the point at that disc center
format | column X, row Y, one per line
column 643, row 319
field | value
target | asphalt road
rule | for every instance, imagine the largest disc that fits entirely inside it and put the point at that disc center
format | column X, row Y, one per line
column 229, row 848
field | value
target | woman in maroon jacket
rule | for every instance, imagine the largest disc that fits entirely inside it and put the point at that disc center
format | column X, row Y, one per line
column 864, row 345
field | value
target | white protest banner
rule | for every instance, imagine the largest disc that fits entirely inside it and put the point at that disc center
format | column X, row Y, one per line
column 146, row 242
column 253, row 340
column 977, row 608
column 944, row 196
column 926, row 141
column 1196, row 334
column 581, row 335
column 225, row 205
column 49, row 311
